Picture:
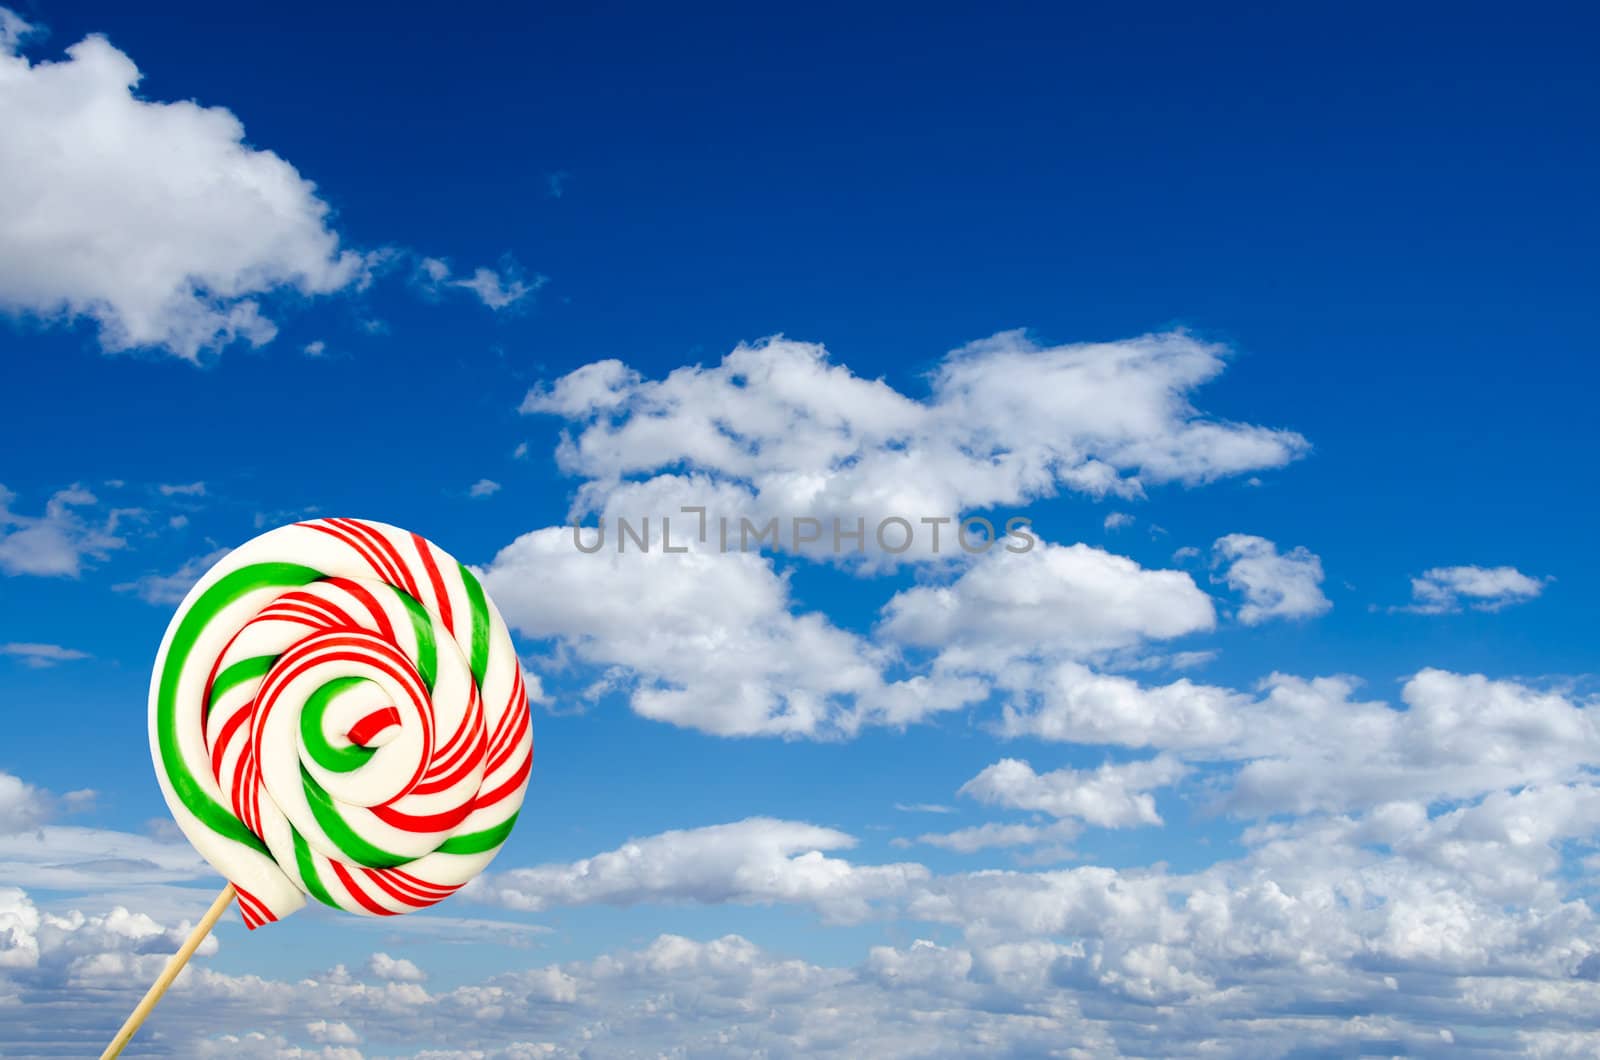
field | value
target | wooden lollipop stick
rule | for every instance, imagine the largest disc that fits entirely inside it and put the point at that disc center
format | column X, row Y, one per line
column 131, row 1026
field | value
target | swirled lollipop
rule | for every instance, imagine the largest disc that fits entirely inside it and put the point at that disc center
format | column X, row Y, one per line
column 337, row 711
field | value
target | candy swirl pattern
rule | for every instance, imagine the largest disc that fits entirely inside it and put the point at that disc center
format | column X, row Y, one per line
column 337, row 711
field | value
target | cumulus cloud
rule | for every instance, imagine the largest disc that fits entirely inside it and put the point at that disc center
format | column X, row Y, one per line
column 332, row 1032
column 1414, row 922
column 1419, row 917
column 22, row 806
column 699, row 630
column 755, row 861
column 58, row 542
column 394, row 969
column 729, row 996
column 722, row 996
column 1444, row 590
column 1274, row 584
column 1054, row 600
column 153, row 219
column 484, row 487
column 1111, row 796
column 1071, row 703
column 1460, row 736
column 1007, row 421
column 77, row 951
column 1310, row 744
column 709, row 640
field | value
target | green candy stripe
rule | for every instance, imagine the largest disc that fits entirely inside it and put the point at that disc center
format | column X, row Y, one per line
column 334, row 759
column 354, row 848
column 237, row 674
column 422, row 625
column 480, row 625
column 308, row 871
column 478, row 842
column 228, row 589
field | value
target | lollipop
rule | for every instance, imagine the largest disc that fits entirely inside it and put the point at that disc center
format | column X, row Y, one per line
column 337, row 711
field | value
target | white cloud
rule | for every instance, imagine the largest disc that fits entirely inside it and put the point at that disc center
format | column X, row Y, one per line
column 993, row 834
column 97, row 871
column 1392, row 913
column 153, row 219
column 1054, row 600
column 484, row 487
column 39, row 656
column 164, row 589
column 1178, row 660
column 1413, row 922
column 1007, row 421
column 68, row 857
column 19, row 919
column 708, row 640
column 394, row 969
column 188, row 489
column 25, row 813
column 13, row 29
column 923, row 807
column 314, row 348
column 1304, row 745
column 81, row 951
column 1111, row 796
column 464, row 931
column 332, row 1032
column 495, row 289
column 673, row 995
column 1118, row 520
column 253, row 1045
column 755, row 861
column 1443, row 590
column 1274, row 584
column 56, row 543
column 1070, row 703
column 1459, row 737
column 22, row 806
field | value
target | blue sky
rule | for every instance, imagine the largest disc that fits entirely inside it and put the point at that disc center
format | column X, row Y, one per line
column 1354, row 247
